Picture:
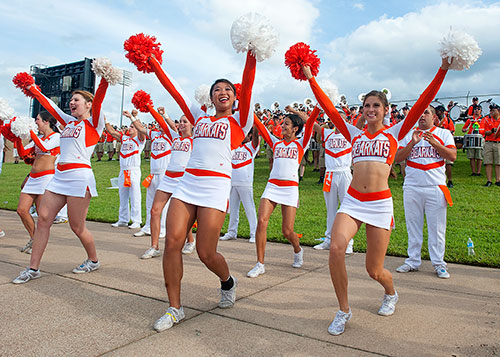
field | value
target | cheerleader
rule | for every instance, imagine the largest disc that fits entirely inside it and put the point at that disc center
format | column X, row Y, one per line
column 181, row 148
column 368, row 199
column 242, row 185
column 129, row 180
column 203, row 191
column 73, row 182
column 283, row 185
column 160, row 156
column 45, row 147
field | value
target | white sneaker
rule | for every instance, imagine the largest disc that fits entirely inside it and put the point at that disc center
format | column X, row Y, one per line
column 27, row 275
column 151, row 253
column 86, row 267
column 119, row 224
column 257, row 270
column 337, row 326
column 298, row 259
column 405, row 268
column 442, row 272
column 2, row 234
column 388, row 304
column 60, row 220
column 171, row 317
column 251, row 240
column 349, row 250
column 188, row 248
column 228, row 297
column 135, row 225
column 323, row 245
column 141, row 234
column 27, row 248
column 227, row 236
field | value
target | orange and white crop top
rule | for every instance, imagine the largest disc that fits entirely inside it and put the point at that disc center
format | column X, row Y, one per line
column 382, row 145
column 43, row 145
column 160, row 152
column 79, row 137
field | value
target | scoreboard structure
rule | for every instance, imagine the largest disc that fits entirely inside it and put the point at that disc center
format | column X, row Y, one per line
column 58, row 82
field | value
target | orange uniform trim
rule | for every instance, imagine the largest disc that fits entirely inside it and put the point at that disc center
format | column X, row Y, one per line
column 163, row 154
column 425, row 167
column 42, row 173
column 369, row 196
column 174, row 174
column 64, row 167
column 338, row 154
column 201, row 172
column 129, row 154
column 283, row 183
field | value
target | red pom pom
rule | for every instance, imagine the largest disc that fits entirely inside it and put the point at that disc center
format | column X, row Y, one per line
column 140, row 48
column 298, row 55
column 238, row 90
column 22, row 80
column 141, row 100
column 29, row 158
column 7, row 132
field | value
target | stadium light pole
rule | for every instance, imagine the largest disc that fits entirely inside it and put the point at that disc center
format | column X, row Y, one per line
column 126, row 81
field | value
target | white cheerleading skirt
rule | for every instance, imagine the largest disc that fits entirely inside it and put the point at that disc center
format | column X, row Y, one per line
column 36, row 183
column 286, row 195
column 73, row 180
column 170, row 181
column 374, row 208
column 204, row 191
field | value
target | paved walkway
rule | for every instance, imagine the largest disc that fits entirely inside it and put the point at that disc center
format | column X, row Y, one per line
column 284, row 312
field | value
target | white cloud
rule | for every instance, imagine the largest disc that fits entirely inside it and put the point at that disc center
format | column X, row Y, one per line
column 358, row 6
column 402, row 53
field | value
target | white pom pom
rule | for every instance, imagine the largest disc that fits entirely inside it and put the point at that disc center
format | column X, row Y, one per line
column 102, row 67
column 202, row 96
column 253, row 32
column 462, row 47
column 330, row 90
column 6, row 112
column 22, row 125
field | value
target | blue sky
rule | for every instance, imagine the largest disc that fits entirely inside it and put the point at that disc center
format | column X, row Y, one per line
column 363, row 45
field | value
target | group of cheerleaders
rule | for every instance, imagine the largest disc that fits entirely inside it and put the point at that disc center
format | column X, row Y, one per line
column 203, row 160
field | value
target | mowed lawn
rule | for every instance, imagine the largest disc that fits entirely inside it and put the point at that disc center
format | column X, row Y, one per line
column 475, row 213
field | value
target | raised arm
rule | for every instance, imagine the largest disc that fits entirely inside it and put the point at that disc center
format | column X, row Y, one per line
column 309, row 125
column 246, row 113
column 263, row 132
column 50, row 106
column 24, row 151
column 97, row 116
column 135, row 122
column 255, row 137
column 424, row 100
column 114, row 133
column 326, row 104
column 190, row 111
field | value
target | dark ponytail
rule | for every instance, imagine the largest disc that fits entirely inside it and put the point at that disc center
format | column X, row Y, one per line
column 46, row 116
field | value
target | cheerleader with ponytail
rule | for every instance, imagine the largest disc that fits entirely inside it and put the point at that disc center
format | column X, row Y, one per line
column 73, row 182
column 203, row 191
column 368, row 199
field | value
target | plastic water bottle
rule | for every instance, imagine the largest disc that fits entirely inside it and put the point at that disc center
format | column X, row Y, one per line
column 470, row 247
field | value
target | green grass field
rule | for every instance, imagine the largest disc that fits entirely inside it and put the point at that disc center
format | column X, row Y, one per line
column 475, row 213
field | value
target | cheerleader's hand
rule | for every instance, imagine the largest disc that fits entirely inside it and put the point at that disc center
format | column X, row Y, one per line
column 127, row 114
column 161, row 110
column 446, row 63
column 134, row 113
column 307, row 71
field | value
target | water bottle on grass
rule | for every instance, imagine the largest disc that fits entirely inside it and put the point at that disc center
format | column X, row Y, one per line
column 470, row 247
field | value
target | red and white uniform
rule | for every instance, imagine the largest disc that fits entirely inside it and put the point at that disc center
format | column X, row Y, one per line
column 160, row 156
column 181, row 152
column 375, row 208
column 207, row 178
column 337, row 175
column 242, row 188
column 425, row 192
column 40, row 145
column 130, row 165
column 74, row 176
column 283, row 184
